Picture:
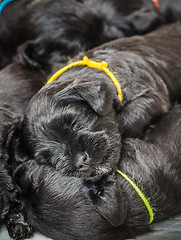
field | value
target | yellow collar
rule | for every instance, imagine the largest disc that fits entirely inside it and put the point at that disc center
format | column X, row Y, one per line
column 142, row 196
column 91, row 64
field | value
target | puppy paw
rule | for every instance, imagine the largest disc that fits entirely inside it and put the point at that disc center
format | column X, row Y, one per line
column 18, row 229
column 5, row 211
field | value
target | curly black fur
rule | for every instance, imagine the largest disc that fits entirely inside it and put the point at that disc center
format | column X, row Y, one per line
column 18, row 85
column 63, row 207
column 76, row 122
column 47, row 31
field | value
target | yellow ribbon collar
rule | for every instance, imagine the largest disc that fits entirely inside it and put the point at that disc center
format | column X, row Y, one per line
column 142, row 196
column 91, row 64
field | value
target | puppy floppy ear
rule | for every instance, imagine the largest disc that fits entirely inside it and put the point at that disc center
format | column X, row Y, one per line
column 98, row 95
column 36, row 54
column 107, row 199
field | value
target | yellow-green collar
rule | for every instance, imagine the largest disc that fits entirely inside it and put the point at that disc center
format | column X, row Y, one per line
column 142, row 196
column 91, row 64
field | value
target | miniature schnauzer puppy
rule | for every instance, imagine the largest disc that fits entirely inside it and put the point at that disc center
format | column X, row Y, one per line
column 68, row 27
column 64, row 207
column 46, row 31
column 76, row 123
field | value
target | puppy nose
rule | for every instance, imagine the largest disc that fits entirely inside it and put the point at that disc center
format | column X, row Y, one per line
column 82, row 162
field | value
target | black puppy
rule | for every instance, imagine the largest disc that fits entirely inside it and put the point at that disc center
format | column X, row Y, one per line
column 63, row 207
column 154, row 165
column 136, row 16
column 76, row 122
column 17, row 85
column 74, row 27
column 48, row 31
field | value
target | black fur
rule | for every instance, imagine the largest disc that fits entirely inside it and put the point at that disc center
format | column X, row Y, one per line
column 47, row 31
column 10, row 205
column 17, row 85
column 63, row 207
column 136, row 16
column 154, row 164
column 76, row 122
column 58, row 206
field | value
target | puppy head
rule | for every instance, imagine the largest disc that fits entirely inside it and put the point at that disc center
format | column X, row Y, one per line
column 70, row 27
column 73, row 128
column 58, row 206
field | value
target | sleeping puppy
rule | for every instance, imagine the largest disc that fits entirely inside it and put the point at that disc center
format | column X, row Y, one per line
column 136, row 17
column 47, row 31
column 17, row 85
column 154, row 165
column 58, row 206
column 76, row 123
column 75, row 27
column 63, row 207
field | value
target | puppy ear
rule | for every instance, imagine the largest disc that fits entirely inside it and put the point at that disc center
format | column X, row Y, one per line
column 36, row 54
column 98, row 95
column 108, row 201
column 144, row 20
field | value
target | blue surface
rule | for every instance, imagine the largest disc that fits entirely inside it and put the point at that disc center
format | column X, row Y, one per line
column 4, row 3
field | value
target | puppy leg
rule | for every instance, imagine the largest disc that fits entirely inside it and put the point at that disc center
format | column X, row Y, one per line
column 16, row 225
column 10, row 207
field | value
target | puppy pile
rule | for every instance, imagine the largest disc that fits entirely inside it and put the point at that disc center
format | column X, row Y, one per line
column 93, row 153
